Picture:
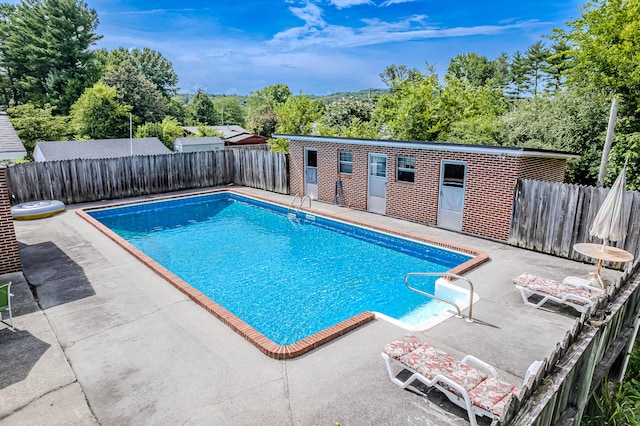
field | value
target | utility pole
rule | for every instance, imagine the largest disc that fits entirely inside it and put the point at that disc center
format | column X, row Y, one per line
column 607, row 143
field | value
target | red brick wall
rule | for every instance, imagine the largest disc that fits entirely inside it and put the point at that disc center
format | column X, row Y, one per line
column 9, row 254
column 490, row 183
column 547, row 169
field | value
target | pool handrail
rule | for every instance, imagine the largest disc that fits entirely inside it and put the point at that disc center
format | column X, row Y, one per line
column 442, row 274
column 302, row 199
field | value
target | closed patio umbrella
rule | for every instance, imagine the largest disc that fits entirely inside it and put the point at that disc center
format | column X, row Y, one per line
column 608, row 224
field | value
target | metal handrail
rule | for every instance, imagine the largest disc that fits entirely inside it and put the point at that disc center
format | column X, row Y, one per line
column 441, row 274
column 302, row 198
column 293, row 201
column 306, row 197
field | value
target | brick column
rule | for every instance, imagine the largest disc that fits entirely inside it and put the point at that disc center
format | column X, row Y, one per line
column 9, row 253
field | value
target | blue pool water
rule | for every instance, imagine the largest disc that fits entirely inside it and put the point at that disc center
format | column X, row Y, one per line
column 286, row 278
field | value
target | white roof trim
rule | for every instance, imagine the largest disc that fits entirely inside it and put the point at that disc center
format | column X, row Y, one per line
column 475, row 149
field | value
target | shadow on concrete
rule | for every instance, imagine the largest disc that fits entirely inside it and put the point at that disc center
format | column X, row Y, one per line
column 20, row 351
column 53, row 276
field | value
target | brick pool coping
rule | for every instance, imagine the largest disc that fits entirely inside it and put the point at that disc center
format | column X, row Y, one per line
column 264, row 344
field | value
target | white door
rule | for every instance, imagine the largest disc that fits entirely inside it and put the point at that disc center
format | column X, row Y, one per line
column 451, row 199
column 311, row 172
column 377, row 196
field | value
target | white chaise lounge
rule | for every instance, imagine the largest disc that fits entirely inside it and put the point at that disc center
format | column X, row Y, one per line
column 572, row 291
column 469, row 383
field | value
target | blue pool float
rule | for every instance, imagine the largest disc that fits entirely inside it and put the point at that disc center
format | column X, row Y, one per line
column 37, row 209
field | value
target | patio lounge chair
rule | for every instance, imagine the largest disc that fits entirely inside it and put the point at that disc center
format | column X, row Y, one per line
column 572, row 291
column 470, row 383
column 5, row 302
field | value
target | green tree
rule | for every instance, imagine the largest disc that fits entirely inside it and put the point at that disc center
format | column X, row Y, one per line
column 200, row 110
column 410, row 110
column 135, row 89
column 604, row 44
column 46, row 56
column 559, row 64
column 167, row 131
column 260, row 107
column 571, row 120
column 536, row 65
column 35, row 124
column 477, row 69
column 151, row 64
column 264, row 124
column 519, row 80
column 297, row 114
column 230, row 110
column 343, row 112
column 98, row 114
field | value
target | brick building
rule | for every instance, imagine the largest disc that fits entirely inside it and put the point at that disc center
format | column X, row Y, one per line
column 466, row 188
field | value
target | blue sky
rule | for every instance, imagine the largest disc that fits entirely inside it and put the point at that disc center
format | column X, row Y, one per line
column 320, row 47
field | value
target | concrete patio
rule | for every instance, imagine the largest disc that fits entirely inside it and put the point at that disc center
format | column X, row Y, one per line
column 101, row 339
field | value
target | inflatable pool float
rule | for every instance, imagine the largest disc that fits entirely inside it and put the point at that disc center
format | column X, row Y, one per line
column 37, row 209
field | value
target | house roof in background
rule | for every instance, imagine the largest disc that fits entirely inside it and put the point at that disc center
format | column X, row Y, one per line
column 209, row 140
column 101, row 148
column 11, row 148
column 227, row 131
column 246, row 139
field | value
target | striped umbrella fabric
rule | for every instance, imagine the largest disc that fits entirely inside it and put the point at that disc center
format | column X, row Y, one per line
column 608, row 224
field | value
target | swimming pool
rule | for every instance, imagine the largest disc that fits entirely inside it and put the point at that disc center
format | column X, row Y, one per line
column 287, row 279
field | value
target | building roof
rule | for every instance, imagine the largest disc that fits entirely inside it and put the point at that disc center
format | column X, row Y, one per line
column 246, row 139
column 11, row 148
column 100, row 148
column 227, row 131
column 210, row 140
column 437, row 146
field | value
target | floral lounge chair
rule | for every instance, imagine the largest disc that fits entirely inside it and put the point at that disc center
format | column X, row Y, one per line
column 469, row 383
column 572, row 291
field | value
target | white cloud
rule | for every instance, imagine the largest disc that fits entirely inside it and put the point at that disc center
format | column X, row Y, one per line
column 343, row 4
column 392, row 2
column 375, row 31
column 310, row 14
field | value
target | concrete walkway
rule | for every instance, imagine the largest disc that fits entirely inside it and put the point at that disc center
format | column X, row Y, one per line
column 101, row 339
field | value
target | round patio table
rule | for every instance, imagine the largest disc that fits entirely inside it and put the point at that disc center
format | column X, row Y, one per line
column 608, row 253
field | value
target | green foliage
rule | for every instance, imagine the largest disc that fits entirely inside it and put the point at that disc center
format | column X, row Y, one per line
column 297, row 114
column 167, row 131
column 200, row 110
column 625, row 147
column 37, row 125
column 204, row 131
column 279, row 145
column 264, row 124
column 571, row 121
column 410, row 110
column 604, row 44
column 614, row 406
column 135, row 89
column 45, row 52
column 343, row 112
column 476, row 69
column 149, row 63
column 231, row 112
column 98, row 114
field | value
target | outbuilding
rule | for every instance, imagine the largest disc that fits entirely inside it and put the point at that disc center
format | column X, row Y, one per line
column 467, row 188
column 212, row 143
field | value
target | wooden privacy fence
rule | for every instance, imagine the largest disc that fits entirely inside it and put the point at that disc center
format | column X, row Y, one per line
column 551, row 217
column 79, row 181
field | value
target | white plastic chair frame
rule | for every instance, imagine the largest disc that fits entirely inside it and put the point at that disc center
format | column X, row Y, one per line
column 6, row 287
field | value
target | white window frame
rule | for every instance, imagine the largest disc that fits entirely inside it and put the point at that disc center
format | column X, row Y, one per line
column 342, row 162
column 406, row 169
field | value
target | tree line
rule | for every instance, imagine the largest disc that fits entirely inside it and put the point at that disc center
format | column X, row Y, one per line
column 555, row 95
